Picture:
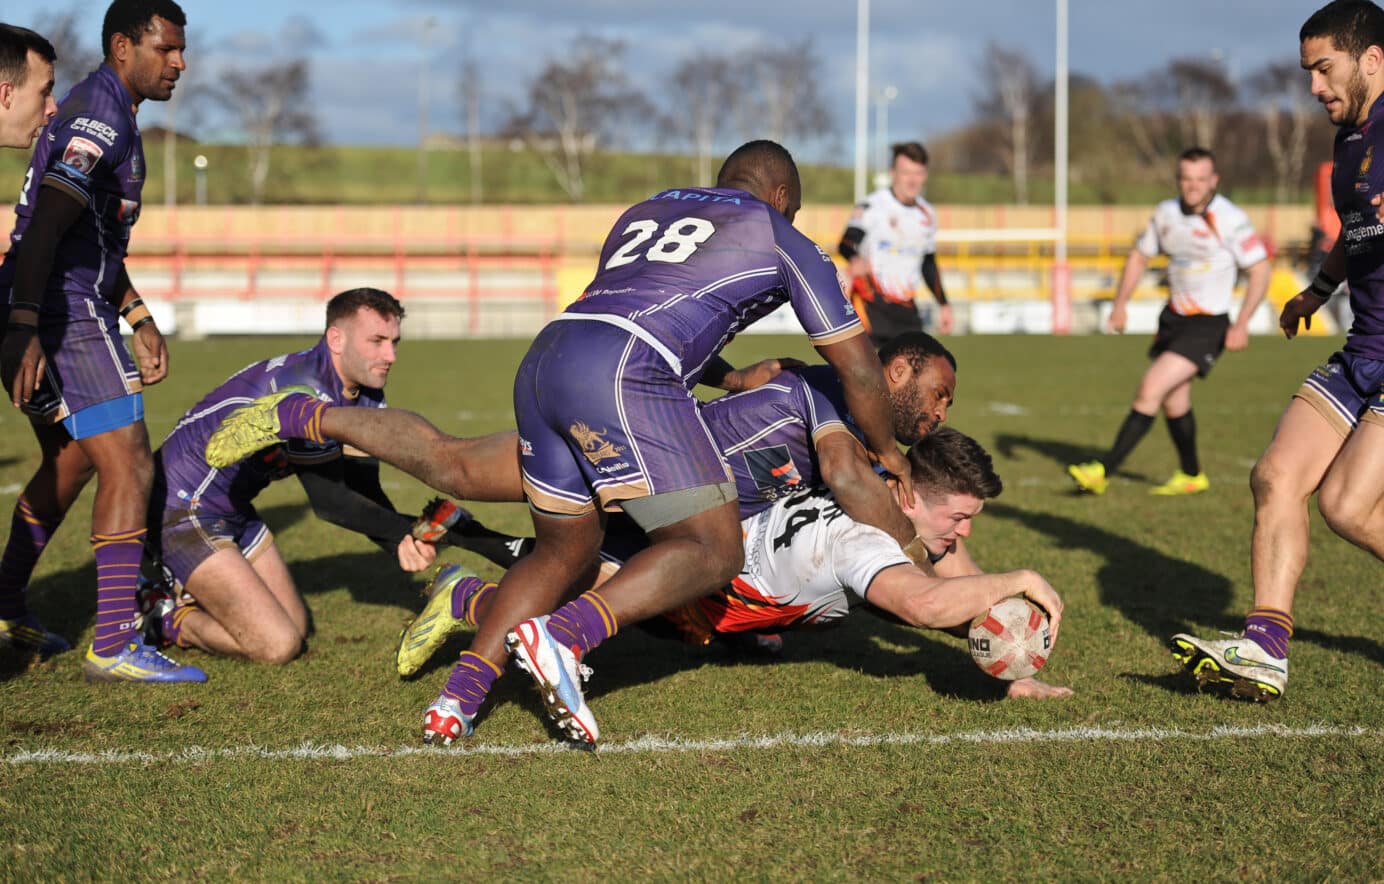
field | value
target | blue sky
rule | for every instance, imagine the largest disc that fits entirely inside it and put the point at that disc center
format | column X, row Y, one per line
column 367, row 57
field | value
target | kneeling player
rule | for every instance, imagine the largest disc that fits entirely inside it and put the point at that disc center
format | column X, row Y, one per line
column 809, row 564
column 209, row 536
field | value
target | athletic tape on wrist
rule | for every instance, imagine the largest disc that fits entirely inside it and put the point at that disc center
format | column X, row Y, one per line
column 1323, row 286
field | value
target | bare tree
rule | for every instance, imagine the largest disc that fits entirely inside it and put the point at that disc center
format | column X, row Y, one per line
column 1200, row 94
column 784, row 101
column 271, row 105
column 704, row 90
column 1010, row 85
column 573, row 105
column 1287, row 112
column 77, row 57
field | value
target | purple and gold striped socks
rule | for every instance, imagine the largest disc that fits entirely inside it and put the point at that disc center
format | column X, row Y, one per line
column 29, row 534
column 1270, row 628
column 117, row 576
column 470, row 681
column 583, row 623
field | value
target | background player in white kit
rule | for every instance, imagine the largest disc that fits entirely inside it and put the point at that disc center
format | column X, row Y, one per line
column 1207, row 239
column 891, row 244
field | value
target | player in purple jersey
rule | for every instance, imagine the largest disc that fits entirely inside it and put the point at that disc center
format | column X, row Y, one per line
column 206, row 530
column 26, row 86
column 1330, row 440
column 62, row 358
column 796, row 431
column 607, row 420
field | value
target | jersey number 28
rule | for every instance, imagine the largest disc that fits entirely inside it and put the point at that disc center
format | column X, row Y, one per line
column 680, row 239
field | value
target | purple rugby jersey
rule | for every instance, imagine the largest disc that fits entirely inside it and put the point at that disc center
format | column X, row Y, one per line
column 693, row 267
column 92, row 150
column 768, row 435
column 185, row 479
column 1357, row 176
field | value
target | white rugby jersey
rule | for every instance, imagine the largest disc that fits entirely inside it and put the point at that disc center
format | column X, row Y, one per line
column 1204, row 253
column 897, row 237
column 806, row 561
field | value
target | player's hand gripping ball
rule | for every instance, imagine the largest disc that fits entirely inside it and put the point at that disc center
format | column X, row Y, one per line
column 1012, row 640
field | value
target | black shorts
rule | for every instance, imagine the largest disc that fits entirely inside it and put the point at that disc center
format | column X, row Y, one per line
column 1199, row 338
column 888, row 320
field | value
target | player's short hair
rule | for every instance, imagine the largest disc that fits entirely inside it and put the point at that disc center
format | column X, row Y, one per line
column 1352, row 25
column 352, row 301
column 15, row 45
column 917, row 347
column 911, row 149
column 758, row 167
column 134, row 17
column 947, row 461
column 1195, row 154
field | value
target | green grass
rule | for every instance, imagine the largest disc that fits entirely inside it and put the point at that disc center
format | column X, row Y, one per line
column 910, row 778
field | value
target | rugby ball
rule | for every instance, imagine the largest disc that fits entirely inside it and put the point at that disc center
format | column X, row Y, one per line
column 1011, row 640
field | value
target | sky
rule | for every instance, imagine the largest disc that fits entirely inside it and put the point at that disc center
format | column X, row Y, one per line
column 370, row 60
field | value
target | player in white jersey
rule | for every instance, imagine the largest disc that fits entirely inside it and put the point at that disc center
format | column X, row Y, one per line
column 1208, row 240
column 808, row 564
column 891, row 244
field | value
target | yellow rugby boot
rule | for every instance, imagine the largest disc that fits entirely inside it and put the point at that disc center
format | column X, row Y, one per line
column 1181, row 483
column 1089, row 477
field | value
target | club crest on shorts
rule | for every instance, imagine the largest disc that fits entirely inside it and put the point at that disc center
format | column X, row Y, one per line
column 593, row 443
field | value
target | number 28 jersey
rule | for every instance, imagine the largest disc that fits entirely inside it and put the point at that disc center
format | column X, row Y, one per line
column 686, row 270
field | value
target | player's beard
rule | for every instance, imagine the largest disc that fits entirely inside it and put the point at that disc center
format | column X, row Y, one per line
column 908, row 414
column 1357, row 93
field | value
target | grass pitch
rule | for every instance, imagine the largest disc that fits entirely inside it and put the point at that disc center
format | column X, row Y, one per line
column 870, row 751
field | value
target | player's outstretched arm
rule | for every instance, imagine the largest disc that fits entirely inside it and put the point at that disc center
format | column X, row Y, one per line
column 929, row 602
column 721, row 374
column 867, row 399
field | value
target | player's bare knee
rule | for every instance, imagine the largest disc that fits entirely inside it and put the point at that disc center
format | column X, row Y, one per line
column 279, row 649
column 1273, row 483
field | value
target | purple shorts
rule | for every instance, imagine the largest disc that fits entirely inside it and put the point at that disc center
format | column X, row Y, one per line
column 190, row 537
column 88, row 364
column 603, row 416
column 1346, row 390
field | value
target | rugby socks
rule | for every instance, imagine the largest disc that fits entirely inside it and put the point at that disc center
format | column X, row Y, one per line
column 171, row 625
column 1269, row 628
column 470, row 681
column 1133, row 429
column 29, row 534
column 117, row 578
column 467, row 598
column 583, row 623
column 300, row 417
column 1184, row 432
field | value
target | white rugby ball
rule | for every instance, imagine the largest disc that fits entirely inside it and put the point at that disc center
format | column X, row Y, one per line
column 1012, row 640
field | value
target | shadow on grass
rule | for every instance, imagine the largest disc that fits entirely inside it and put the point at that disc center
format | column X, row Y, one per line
column 1158, row 593
column 868, row 645
column 1059, row 451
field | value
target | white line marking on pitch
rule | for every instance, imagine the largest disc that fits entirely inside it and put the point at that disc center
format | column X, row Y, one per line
column 641, row 745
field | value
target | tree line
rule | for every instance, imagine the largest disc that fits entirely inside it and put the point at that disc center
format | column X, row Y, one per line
column 1267, row 131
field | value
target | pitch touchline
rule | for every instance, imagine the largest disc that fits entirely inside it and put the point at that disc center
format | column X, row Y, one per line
column 315, row 751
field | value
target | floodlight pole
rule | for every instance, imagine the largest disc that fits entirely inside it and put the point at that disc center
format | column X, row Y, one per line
column 862, row 94
column 1061, row 271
